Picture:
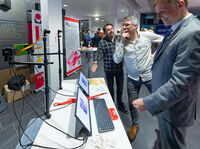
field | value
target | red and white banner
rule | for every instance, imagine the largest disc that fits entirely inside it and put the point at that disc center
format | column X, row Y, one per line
column 73, row 56
column 38, row 49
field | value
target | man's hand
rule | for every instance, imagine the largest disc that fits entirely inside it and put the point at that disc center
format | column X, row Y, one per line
column 125, row 35
column 139, row 104
column 94, row 66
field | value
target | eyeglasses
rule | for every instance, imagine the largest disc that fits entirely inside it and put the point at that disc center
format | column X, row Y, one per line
column 126, row 25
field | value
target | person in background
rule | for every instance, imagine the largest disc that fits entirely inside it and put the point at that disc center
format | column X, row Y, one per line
column 96, row 39
column 151, row 29
column 154, row 46
column 82, row 38
column 88, row 39
column 144, row 29
column 100, row 33
column 135, row 49
column 106, row 48
column 176, row 74
column 119, row 32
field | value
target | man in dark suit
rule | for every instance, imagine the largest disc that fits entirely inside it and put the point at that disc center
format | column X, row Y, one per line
column 175, row 74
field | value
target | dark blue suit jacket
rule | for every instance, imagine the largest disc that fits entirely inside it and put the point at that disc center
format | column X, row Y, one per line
column 176, row 75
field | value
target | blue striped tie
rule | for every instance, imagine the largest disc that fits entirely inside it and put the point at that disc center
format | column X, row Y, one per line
column 163, row 41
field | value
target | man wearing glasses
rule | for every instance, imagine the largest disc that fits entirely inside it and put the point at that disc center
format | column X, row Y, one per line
column 135, row 49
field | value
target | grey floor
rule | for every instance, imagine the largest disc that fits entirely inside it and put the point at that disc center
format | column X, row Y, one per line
column 145, row 139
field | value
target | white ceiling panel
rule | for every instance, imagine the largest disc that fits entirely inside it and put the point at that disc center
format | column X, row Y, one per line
column 105, row 8
column 145, row 6
column 89, row 8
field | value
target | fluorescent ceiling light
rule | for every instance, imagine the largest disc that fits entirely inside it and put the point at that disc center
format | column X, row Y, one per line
column 96, row 19
column 122, row 10
column 65, row 5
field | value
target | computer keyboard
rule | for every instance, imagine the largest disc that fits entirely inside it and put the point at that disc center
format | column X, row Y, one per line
column 104, row 121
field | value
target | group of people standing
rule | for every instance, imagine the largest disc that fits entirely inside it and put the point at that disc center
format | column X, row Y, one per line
column 134, row 49
column 172, row 76
column 86, row 40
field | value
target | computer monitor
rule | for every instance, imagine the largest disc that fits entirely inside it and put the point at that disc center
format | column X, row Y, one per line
column 83, row 83
column 82, row 114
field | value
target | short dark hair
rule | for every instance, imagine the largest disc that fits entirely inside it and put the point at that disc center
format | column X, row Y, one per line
column 97, row 33
column 104, row 27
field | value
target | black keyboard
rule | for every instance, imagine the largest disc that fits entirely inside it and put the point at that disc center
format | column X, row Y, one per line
column 104, row 121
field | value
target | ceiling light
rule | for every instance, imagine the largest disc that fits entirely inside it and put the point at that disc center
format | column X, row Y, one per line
column 102, row 20
column 96, row 19
column 96, row 15
column 65, row 5
column 122, row 10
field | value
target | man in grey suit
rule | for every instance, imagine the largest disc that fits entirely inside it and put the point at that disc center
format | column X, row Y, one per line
column 175, row 74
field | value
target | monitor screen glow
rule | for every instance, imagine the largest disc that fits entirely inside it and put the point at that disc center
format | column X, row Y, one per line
column 84, row 83
column 82, row 109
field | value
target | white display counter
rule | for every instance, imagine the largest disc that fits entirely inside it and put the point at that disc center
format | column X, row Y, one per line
column 62, row 117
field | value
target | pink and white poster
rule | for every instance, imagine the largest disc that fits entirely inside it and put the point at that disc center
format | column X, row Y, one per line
column 73, row 56
column 38, row 49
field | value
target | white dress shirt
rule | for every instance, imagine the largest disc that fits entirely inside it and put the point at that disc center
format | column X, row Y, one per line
column 137, row 55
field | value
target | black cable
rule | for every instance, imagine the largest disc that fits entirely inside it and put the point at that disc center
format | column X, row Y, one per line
column 61, row 93
column 51, row 88
column 83, row 139
column 18, row 119
column 23, row 131
column 56, row 109
column 54, row 126
column 62, row 107
column 18, row 130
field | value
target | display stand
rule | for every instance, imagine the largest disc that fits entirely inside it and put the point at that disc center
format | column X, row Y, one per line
column 46, row 74
column 8, row 54
column 59, row 60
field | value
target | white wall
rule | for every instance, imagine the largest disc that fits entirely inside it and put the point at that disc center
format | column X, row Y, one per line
column 95, row 25
column 116, row 17
column 51, row 11
column 13, row 29
column 14, row 14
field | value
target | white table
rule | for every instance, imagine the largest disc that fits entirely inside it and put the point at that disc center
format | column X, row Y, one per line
column 88, row 50
column 63, row 119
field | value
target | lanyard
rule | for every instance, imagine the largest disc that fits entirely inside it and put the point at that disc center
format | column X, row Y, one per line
column 73, row 100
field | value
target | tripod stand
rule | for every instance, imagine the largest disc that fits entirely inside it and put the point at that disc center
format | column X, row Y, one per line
column 8, row 53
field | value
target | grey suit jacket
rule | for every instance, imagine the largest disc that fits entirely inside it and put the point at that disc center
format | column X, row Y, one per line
column 176, row 75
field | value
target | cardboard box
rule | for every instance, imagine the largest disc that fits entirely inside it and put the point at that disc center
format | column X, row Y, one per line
column 10, row 94
column 5, row 75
